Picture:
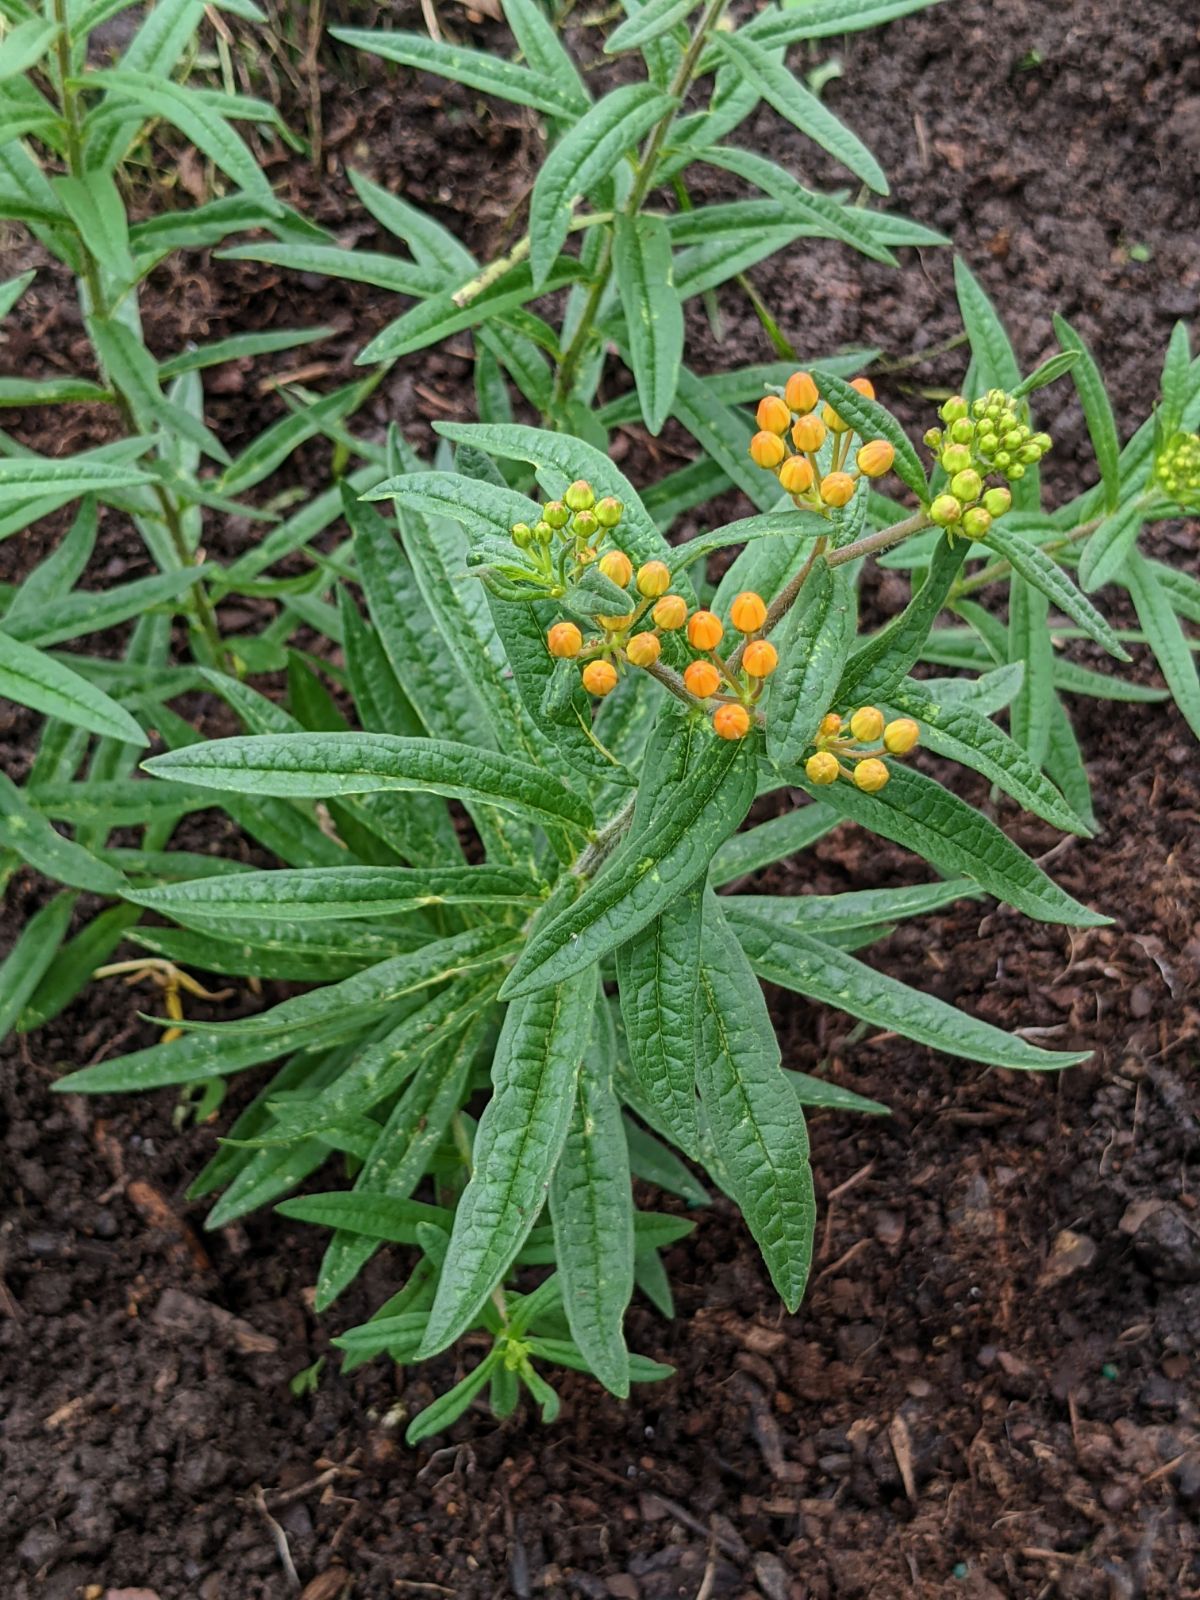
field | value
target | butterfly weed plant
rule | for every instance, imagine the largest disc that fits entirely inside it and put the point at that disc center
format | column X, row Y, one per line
column 513, row 844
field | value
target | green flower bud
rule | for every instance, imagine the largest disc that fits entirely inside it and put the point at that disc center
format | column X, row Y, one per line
column 966, row 486
column 954, row 409
column 1001, row 460
column 955, row 458
column 1014, row 438
column 986, row 444
column 978, row 407
column 544, row 532
column 1043, row 441
column 608, row 511
column 976, row 521
column 584, row 524
column 580, row 496
column 1030, row 454
column 945, row 510
column 556, row 514
column 522, row 534
column 962, row 431
column 996, row 502
column 1015, row 472
column 933, row 438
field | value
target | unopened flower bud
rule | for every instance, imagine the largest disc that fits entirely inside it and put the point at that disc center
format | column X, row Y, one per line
column 875, row 458
column 867, row 724
column 580, row 496
column 831, row 726
column 544, row 532
column 801, row 392
column 796, row 473
column 953, row 409
column 702, row 679
column 773, row 415
column 704, row 630
column 609, row 511
column 901, row 736
column 962, row 431
column 996, row 502
column 584, row 525
column 731, row 722
column 1029, row 454
column 522, row 535
column 767, row 450
column 670, row 613
column 616, row 624
column 933, row 438
column 1001, row 460
column 822, row 768
column 808, row 432
column 966, row 486
column 834, row 422
column 870, row 775
column 955, row 458
column 653, row 579
column 864, row 386
column 837, row 488
column 760, row 658
column 748, row 612
column 945, row 510
column 556, row 514
column 976, row 521
column 1015, row 438
column 1015, row 473
column 986, row 445
column 1043, row 441
column 644, row 649
column 617, row 566
column 564, row 640
column 600, row 678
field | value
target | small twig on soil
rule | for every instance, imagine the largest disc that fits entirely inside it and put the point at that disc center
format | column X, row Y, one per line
column 709, row 1581
column 286, row 1496
column 259, row 1502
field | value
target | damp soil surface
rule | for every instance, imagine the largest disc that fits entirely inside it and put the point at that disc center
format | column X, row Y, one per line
column 991, row 1389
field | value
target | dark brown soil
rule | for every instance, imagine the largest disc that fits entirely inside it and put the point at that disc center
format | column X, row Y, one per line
column 991, row 1388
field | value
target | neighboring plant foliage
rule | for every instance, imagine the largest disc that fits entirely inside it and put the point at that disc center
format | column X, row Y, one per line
column 507, row 788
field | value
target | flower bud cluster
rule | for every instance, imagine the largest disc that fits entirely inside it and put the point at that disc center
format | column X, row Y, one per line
column 981, row 439
column 852, row 747
column 791, row 432
column 1178, row 468
column 577, row 524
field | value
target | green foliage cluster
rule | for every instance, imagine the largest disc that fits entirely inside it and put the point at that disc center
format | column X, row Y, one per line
column 526, row 973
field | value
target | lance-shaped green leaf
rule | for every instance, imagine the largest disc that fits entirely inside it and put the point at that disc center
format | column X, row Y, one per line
column 591, row 1209
column 720, row 431
column 36, row 947
column 657, row 862
column 917, row 812
column 650, row 22
column 1166, row 638
column 27, row 477
column 657, row 974
column 807, row 208
column 871, row 421
column 771, row 841
column 814, row 640
column 383, row 1217
column 822, row 914
column 32, row 678
column 753, row 1115
column 1107, row 548
column 517, row 1146
column 89, row 611
column 800, row 107
column 544, row 50
column 477, row 69
column 1049, row 372
column 586, row 154
column 995, row 360
column 887, row 656
column 823, row 19
column 316, row 893
column 27, row 832
column 767, row 525
column 653, row 312
column 330, row 261
column 321, row 765
column 72, row 968
column 1040, row 570
column 1031, row 647
column 796, row 960
column 1097, row 409
column 658, row 1164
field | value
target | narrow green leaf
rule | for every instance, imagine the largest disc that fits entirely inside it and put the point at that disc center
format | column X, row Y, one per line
column 653, row 312
column 824, row 19
column 29, row 959
column 330, row 261
column 822, row 914
column 1165, row 637
column 1040, row 570
column 1031, row 646
column 1049, row 372
column 32, row 678
column 776, row 840
column 24, row 830
column 814, row 641
column 872, row 421
column 657, row 972
column 1097, row 410
column 24, row 477
column 490, row 73
column 24, row 45
column 1106, row 549
column 641, row 27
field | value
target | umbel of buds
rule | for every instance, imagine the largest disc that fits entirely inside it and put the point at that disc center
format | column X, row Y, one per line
column 983, row 438
column 1178, row 468
column 794, row 420
column 852, row 747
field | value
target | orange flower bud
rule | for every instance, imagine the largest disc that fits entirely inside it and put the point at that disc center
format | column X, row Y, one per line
column 801, row 393
column 796, row 474
column 702, row 679
column 748, row 612
column 864, row 386
column 809, row 433
column 831, row 725
column 837, row 488
column 866, row 724
column 901, row 736
column 644, row 649
column 833, row 422
column 773, row 416
column 616, row 624
column 731, row 722
column 767, row 450
column 670, row 613
column 564, row 640
column 875, row 458
column 600, row 678
column 617, row 566
column 760, row 658
column 822, row 768
column 871, row 775
column 704, row 630
column 653, row 579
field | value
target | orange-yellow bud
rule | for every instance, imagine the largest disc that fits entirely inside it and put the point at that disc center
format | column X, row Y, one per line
column 760, row 658
column 616, row 624
column 796, row 474
column 833, row 421
column 864, row 386
column 748, row 612
column 875, row 458
column 831, row 725
column 731, row 722
column 617, row 566
column 702, row 679
column 767, row 450
column 704, row 630
column 773, row 416
column 670, row 613
column 801, row 393
column 871, row 775
column 822, row 768
column 653, row 579
column 837, row 488
column 809, row 433
column 866, row 724
column 564, row 640
column 901, row 736
column 644, row 649
column 600, row 677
